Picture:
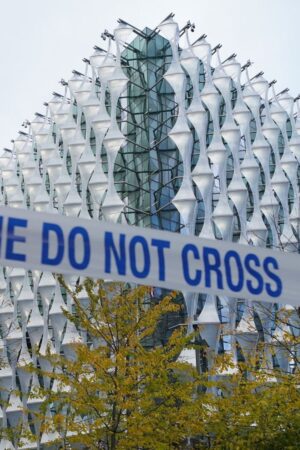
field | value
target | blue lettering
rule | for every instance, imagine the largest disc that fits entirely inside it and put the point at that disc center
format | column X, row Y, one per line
column 161, row 245
column 190, row 248
column 132, row 255
column 57, row 258
column 120, row 257
column 79, row 231
column 255, row 290
column 234, row 256
column 212, row 265
column 275, row 278
column 12, row 238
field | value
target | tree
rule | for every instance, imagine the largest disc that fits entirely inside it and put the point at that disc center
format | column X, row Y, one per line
column 258, row 406
column 256, row 412
column 120, row 391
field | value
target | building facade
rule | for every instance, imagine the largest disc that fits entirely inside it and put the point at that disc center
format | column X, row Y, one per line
column 158, row 132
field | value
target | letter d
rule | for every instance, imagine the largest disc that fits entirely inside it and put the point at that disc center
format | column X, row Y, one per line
column 56, row 258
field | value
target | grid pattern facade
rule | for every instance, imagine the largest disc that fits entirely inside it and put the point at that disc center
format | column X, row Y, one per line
column 158, row 132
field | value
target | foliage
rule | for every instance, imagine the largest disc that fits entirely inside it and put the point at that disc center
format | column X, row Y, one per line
column 122, row 392
column 118, row 392
column 260, row 412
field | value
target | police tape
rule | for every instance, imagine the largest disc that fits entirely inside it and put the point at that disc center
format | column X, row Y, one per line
column 55, row 243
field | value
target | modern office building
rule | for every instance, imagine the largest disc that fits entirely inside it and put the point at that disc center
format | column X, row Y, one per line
column 157, row 132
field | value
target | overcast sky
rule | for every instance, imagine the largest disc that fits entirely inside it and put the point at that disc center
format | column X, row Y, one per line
column 41, row 41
